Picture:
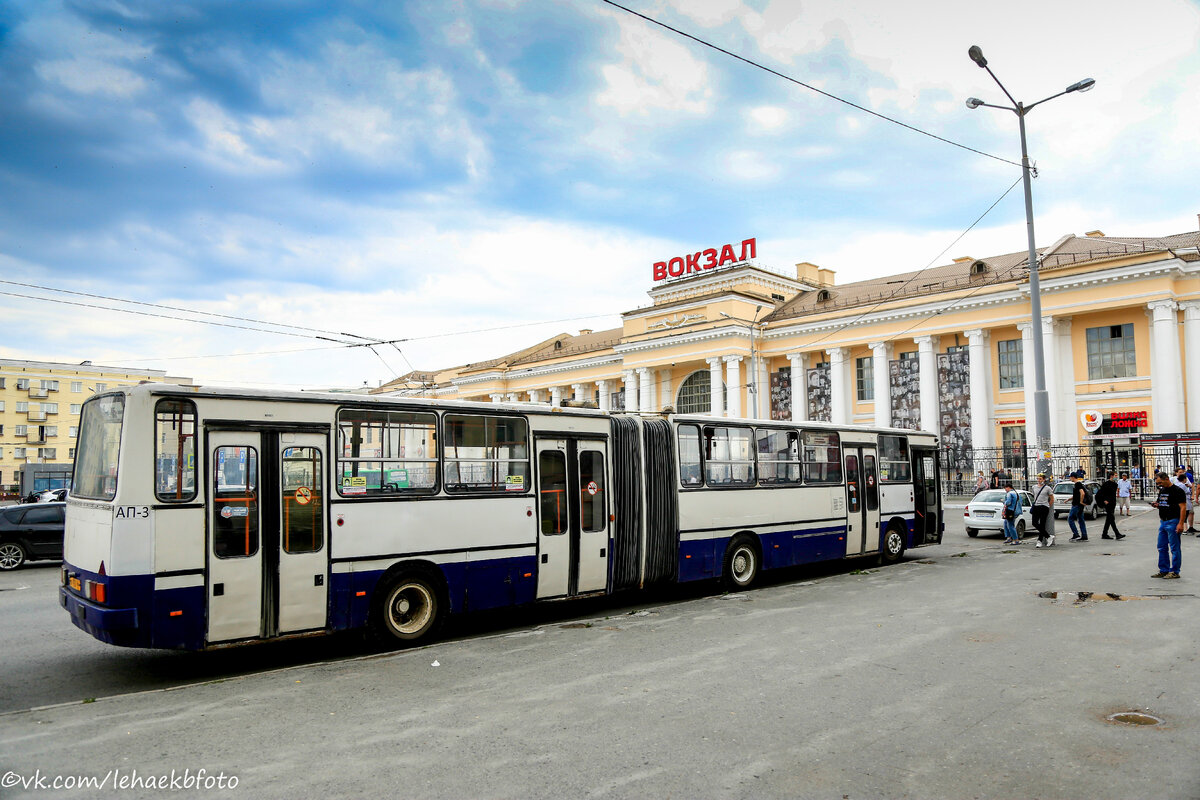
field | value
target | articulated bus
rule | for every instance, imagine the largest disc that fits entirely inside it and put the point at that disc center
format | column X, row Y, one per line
column 201, row 518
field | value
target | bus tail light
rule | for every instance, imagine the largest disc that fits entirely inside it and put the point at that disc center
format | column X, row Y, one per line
column 94, row 590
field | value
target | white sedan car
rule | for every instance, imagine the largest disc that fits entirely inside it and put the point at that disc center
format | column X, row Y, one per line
column 985, row 512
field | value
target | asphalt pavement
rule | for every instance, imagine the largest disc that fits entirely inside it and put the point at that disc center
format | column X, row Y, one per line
column 972, row 669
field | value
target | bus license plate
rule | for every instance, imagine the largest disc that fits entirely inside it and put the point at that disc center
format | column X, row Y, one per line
column 76, row 585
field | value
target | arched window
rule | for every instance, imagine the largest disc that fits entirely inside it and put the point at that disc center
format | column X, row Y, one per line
column 695, row 395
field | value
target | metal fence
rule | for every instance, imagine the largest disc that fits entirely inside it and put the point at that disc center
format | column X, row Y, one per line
column 961, row 468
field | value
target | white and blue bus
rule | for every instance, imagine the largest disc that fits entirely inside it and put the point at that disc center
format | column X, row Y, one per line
column 205, row 517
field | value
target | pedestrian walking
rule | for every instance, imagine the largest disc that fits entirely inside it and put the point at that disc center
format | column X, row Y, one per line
column 1181, row 480
column 1043, row 504
column 1107, row 497
column 1079, row 500
column 1124, row 492
column 1012, row 512
column 1172, row 509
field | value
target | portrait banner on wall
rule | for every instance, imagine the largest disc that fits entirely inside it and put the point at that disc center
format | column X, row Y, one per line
column 904, row 375
column 617, row 400
column 954, row 407
column 781, row 393
column 819, row 398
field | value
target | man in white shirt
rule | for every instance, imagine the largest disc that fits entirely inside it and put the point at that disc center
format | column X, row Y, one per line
column 1124, row 490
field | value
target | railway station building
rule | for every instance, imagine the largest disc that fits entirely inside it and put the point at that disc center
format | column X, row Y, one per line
column 947, row 349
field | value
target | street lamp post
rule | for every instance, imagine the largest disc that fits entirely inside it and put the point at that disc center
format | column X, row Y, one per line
column 1041, row 399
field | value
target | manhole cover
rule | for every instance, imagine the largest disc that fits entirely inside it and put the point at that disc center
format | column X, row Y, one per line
column 1134, row 718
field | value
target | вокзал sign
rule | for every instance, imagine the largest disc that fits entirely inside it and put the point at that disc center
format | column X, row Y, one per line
column 686, row 265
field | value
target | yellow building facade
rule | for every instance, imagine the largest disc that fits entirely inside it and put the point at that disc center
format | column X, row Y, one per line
column 947, row 349
column 39, row 409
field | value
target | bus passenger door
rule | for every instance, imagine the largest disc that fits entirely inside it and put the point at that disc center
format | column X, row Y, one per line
column 235, row 566
column 593, row 517
column 855, row 516
column 554, row 519
column 303, row 548
column 871, row 538
column 927, row 529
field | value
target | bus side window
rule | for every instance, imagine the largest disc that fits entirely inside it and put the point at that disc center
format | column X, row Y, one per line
column 175, row 450
column 689, row 455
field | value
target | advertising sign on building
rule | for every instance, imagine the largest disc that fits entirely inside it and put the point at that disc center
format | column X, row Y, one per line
column 954, row 405
column 906, row 393
column 819, row 393
column 781, row 394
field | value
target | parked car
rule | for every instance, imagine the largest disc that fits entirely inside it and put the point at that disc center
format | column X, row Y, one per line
column 30, row 532
column 985, row 512
column 53, row 496
column 1062, row 498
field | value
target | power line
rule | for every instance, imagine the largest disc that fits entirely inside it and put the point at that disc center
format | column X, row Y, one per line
column 175, row 308
column 919, row 272
column 168, row 316
column 808, row 86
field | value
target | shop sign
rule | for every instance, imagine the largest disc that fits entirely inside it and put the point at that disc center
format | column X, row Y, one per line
column 1091, row 420
column 1015, row 421
column 1121, row 420
column 703, row 260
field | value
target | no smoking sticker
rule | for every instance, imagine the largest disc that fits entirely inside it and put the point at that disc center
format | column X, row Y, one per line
column 592, row 488
column 303, row 495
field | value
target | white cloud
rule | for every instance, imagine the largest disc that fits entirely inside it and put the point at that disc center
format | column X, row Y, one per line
column 753, row 167
column 92, row 76
column 656, row 73
column 766, row 119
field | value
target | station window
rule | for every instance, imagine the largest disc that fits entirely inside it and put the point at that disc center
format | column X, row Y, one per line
column 894, row 465
column 822, row 457
column 778, row 456
column 728, row 456
column 1012, row 364
column 174, row 450
column 865, row 378
column 486, row 454
column 1110, row 352
column 76, row 386
column 386, row 452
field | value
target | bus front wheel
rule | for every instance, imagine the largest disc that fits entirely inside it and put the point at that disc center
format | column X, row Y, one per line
column 407, row 609
column 741, row 563
column 893, row 545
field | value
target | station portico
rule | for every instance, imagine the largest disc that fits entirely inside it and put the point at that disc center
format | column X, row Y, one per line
column 947, row 349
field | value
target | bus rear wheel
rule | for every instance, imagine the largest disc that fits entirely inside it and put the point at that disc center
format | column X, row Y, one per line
column 407, row 610
column 741, row 563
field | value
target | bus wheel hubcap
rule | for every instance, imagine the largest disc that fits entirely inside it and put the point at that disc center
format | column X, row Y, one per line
column 411, row 608
column 743, row 564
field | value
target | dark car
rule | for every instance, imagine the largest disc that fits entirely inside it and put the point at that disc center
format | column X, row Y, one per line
column 31, row 532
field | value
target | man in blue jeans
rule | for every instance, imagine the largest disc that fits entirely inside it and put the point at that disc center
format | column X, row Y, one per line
column 1012, row 512
column 1076, row 514
column 1172, row 511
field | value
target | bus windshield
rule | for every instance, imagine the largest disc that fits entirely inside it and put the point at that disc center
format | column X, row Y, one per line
column 99, row 445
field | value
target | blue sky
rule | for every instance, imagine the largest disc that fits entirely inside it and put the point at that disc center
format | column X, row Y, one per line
column 408, row 170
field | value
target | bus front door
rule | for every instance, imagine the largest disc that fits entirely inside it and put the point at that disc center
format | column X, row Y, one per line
column 573, row 516
column 862, row 501
column 268, row 551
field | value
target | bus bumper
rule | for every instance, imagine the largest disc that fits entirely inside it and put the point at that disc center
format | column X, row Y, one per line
column 113, row 625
